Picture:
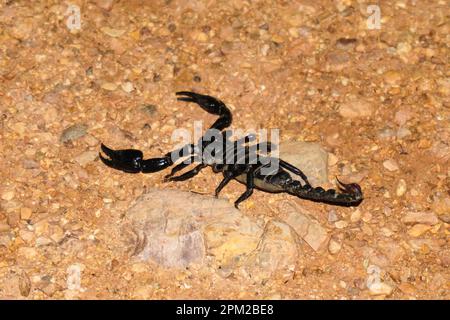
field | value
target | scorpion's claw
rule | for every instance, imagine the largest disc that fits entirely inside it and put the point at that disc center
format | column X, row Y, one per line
column 129, row 160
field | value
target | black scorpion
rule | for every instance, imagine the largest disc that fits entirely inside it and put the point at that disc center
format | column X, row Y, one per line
column 250, row 174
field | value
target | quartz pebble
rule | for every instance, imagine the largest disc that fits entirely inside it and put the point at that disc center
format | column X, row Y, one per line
column 380, row 288
column 341, row 224
column 401, row 188
column 127, row 87
column 334, row 246
column 390, row 165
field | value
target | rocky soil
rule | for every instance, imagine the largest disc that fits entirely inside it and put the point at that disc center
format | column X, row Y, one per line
column 372, row 104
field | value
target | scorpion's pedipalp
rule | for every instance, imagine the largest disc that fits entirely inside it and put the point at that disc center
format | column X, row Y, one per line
column 131, row 161
column 128, row 160
column 189, row 174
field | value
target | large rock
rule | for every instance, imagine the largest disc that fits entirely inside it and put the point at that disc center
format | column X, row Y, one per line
column 177, row 229
column 309, row 157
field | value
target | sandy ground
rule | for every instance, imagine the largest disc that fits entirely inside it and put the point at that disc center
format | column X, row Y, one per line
column 376, row 99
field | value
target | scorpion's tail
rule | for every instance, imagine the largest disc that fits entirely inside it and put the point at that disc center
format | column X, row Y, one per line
column 349, row 194
column 210, row 105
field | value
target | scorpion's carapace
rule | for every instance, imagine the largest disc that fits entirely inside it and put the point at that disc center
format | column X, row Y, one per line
column 246, row 172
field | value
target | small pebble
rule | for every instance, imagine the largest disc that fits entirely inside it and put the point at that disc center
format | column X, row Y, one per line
column 341, row 224
column 356, row 108
column 25, row 213
column 418, row 229
column 392, row 77
column 332, row 216
column 356, row 216
column 127, row 87
column 332, row 159
column 4, row 227
column 73, row 132
column 390, row 165
column 115, row 33
column 403, row 132
column 43, row 241
column 8, row 195
column 401, row 188
column 334, row 247
column 109, row 86
column 380, row 288
column 86, row 157
column 105, row 4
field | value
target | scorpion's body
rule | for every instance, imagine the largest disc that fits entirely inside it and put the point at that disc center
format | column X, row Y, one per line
column 251, row 174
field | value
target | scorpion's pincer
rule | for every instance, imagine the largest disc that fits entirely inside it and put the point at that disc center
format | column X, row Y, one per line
column 129, row 160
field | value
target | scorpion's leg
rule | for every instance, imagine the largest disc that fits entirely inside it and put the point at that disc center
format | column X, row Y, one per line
column 295, row 170
column 250, row 185
column 131, row 161
column 210, row 105
column 228, row 176
column 189, row 174
column 181, row 166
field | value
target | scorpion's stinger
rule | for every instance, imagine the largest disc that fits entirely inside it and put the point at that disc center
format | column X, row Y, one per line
column 131, row 161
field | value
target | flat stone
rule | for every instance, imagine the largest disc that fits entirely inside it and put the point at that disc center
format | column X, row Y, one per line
column 304, row 225
column 176, row 229
column 86, row 157
column 428, row 218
